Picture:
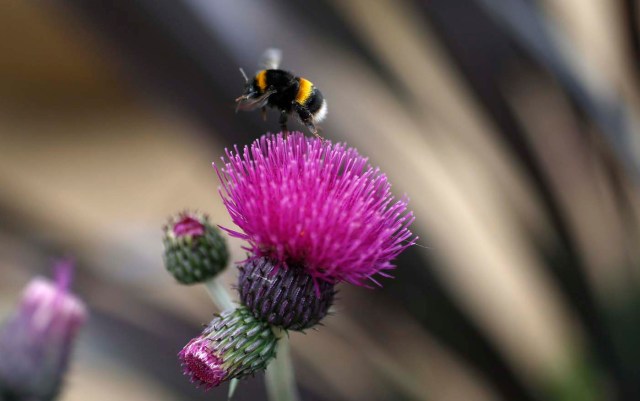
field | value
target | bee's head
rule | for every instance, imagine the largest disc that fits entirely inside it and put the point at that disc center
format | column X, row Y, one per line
column 252, row 97
column 250, row 90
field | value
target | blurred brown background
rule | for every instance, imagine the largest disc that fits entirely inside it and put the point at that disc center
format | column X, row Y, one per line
column 510, row 124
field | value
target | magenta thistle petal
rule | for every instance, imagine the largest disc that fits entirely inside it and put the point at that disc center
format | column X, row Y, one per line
column 188, row 225
column 307, row 202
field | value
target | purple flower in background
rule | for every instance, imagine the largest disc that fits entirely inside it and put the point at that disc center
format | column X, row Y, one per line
column 308, row 203
column 36, row 342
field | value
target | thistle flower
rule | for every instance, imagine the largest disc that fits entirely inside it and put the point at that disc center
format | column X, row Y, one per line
column 195, row 251
column 283, row 297
column 319, row 206
column 35, row 344
column 234, row 345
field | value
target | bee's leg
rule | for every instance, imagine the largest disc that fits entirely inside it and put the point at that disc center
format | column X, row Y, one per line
column 284, row 116
column 314, row 130
column 264, row 113
column 307, row 119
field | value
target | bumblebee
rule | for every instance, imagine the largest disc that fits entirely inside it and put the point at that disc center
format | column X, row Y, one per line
column 284, row 91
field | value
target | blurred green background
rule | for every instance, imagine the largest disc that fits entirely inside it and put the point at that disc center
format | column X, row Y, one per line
column 511, row 125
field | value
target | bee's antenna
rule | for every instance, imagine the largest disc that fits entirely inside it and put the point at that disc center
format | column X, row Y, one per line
column 246, row 79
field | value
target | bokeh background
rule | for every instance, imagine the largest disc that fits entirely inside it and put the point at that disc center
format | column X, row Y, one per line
column 511, row 124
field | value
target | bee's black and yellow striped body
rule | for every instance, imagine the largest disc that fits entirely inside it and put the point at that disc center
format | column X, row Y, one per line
column 284, row 91
column 291, row 91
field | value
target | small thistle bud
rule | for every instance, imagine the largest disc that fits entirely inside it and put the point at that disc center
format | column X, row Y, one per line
column 285, row 297
column 195, row 251
column 35, row 344
column 235, row 344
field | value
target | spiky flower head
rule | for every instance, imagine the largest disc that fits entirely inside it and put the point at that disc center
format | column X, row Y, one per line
column 234, row 345
column 287, row 298
column 36, row 342
column 194, row 250
column 306, row 202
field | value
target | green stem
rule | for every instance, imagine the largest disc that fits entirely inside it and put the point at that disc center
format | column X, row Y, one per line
column 232, row 388
column 221, row 298
column 280, row 380
column 219, row 294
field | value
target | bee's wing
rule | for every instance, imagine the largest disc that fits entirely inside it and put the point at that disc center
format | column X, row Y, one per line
column 271, row 59
column 245, row 103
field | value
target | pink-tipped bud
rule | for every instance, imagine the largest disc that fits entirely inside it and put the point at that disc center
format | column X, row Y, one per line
column 194, row 250
column 234, row 345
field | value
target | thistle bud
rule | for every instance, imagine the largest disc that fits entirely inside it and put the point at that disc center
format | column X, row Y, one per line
column 235, row 344
column 195, row 251
column 285, row 297
column 35, row 343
